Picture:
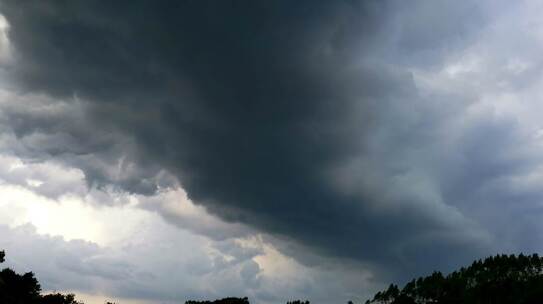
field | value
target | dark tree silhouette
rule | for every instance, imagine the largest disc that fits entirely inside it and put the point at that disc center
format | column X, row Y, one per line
column 58, row 298
column 244, row 300
column 25, row 289
column 16, row 288
column 500, row 279
column 495, row 280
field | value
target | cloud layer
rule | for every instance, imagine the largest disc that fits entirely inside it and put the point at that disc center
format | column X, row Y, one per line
column 398, row 136
column 113, row 245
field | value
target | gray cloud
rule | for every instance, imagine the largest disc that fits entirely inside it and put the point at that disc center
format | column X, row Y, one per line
column 86, row 267
column 308, row 121
column 37, row 127
column 169, row 265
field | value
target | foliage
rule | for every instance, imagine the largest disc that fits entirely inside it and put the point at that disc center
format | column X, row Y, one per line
column 25, row 289
column 222, row 301
column 16, row 288
column 498, row 279
column 58, row 298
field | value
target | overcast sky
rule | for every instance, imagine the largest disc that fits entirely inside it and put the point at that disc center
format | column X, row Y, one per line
column 160, row 151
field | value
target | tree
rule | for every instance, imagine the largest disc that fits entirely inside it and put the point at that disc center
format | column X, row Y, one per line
column 16, row 288
column 298, row 302
column 230, row 300
column 25, row 289
column 58, row 298
column 496, row 279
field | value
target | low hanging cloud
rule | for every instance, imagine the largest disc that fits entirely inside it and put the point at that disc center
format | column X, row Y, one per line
column 360, row 130
column 120, row 273
column 170, row 265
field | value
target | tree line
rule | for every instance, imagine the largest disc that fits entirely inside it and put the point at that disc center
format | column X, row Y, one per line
column 24, row 289
column 507, row 279
column 500, row 279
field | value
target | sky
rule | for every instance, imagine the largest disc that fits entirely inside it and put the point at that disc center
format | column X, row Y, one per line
column 161, row 151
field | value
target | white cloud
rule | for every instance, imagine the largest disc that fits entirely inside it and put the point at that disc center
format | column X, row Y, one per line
column 127, row 252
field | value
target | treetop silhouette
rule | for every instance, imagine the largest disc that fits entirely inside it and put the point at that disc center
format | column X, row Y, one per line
column 25, row 289
column 497, row 279
column 230, row 300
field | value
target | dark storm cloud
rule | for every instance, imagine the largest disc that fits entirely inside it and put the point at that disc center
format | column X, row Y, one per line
column 299, row 118
column 38, row 127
